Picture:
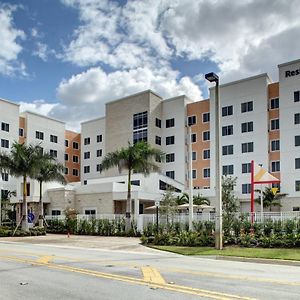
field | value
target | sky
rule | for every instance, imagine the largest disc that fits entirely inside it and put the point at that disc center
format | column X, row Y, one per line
column 67, row 58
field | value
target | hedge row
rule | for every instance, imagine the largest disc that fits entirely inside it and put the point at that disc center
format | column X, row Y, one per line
column 7, row 231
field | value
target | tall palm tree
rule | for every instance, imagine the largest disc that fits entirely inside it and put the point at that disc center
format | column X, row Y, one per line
column 270, row 199
column 49, row 170
column 23, row 162
column 197, row 200
column 137, row 158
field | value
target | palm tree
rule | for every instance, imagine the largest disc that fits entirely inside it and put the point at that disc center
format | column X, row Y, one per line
column 270, row 199
column 137, row 158
column 197, row 200
column 49, row 170
column 23, row 162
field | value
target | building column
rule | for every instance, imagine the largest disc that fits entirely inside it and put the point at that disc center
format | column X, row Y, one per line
column 136, row 208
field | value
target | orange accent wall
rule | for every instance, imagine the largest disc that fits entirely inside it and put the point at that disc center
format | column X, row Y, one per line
column 22, row 125
column 273, row 92
column 197, row 109
column 72, row 137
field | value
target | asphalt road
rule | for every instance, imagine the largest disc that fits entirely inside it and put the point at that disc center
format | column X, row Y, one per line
column 57, row 267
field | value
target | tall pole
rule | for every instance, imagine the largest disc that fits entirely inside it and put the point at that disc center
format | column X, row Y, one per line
column 219, row 227
column 191, row 211
column 252, row 192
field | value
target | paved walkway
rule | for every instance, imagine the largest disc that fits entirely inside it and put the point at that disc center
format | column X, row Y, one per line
column 99, row 242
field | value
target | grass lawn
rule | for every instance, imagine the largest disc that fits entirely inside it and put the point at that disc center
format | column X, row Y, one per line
column 269, row 253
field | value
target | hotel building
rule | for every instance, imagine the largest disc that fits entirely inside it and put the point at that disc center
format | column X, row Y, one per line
column 260, row 121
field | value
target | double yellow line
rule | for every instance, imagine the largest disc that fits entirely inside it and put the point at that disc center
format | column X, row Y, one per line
column 151, row 278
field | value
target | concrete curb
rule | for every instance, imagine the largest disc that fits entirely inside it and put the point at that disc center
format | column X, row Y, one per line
column 259, row 260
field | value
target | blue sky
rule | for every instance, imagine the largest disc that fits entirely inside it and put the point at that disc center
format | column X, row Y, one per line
column 67, row 58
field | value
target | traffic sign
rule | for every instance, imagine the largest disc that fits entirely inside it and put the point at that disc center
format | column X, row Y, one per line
column 157, row 203
column 274, row 191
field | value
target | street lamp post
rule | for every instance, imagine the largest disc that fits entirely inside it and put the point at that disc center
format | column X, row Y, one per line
column 191, row 204
column 212, row 77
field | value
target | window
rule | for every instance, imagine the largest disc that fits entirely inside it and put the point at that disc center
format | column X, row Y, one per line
column 157, row 140
column 90, row 211
column 4, row 194
column 170, row 123
column 206, row 135
column 247, row 106
column 247, row 147
column 87, row 155
column 227, row 130
column 66, row 156
column 84, row 182
column 66, row 171
column 296, row 208
column 227, row 111
column 140, row 120
column 247, row 127
column 4, row 176
column 275, row 124
column 170, row 157
column 140, row 135
column 275, row 166
column 99, row 152
column 4, row 143
column 53, row 138
column 86, row 169
column 297, row 140
column 55, row 212
column 191, row 120
column 228, row 170
column 193, row 137
column 206, row 173
column 98, row 168
column 205, row 117
column 246, row 168
column 297, row 118
column 206, row 154
column 39, row 135
column 99, row 138
column 66, row 143
column 170, row 140
column 21, row 132
column 194, row 155
column 170, row 174
column 194, row 174
column 274, row 103
column 157, row 122
column 227, row 150
column 297, row 96
column 297, row 185
column 275, row 145
column 5, row 126
column 75, row 145
column 53, row 153
column 75, row 172
column 75, row 159
column 87, row 141
column 297, row 163
column 246, row 188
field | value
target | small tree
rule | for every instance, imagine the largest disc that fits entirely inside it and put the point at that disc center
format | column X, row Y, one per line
column 6, row 206
column 229, row 202
column 168, row 205
column 197, row 200
column 270, row 199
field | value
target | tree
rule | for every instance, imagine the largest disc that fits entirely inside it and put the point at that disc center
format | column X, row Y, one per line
column 229, row 202
column 5, row 205
column 137, row 158
column 197, row 200
column 22, row 161
column 49, row 170
column 270, row 199
column 168, row 205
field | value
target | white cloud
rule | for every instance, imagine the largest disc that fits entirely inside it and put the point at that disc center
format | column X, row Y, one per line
column 41, row 51
column 84, row 95
column 10, row 47
column 37, row 106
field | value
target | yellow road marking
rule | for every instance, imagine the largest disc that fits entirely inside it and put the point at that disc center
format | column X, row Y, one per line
column 45, row 259
column 184, row 271
column 152, row 275
column 176, row 288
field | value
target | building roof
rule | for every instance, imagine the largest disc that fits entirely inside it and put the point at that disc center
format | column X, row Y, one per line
column 92, row 120
column 289, row 63
column 40, row 115
column 9, row 102
column 134, row 95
